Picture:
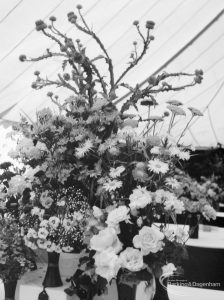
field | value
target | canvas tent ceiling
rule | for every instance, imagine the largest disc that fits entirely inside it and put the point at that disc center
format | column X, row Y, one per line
column 177, row 22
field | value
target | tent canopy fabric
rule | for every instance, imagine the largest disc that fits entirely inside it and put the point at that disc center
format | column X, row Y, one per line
column 177, row 23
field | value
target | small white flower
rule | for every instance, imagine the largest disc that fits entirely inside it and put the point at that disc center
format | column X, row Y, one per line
column 157, row 166
column 84, row 148
column 77, row 216
column 172, row 182
column 42, row 233
column 155, row 150
column 32, row 233
column 54, row 222
column 168, row 269
column 61, row 203
column 44, row 223
column 97, row 212
column 112, row 185
column 67, row 223
column 67, row 249
column 116, row 172
column 184, row 155
column 42, row 244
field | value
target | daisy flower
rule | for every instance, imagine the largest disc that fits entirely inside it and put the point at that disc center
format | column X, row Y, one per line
column 116, row 172
column 112, row 185
column 84, row 148
column 172, row 182
column 184, row 155
column 176, row 110
column 157, row 166
column 42, row 233
column 195, row 111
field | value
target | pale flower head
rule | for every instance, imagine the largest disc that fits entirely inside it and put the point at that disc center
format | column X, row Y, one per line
column 112, row 185
column 208, row 212
column 181, row 235
column 107, row 264
column 54, row 222
column 45, row 200
column 149, row 240
column 42, row 233
column 84, row 148
column 140, row 198
column 118, row 215
column 168, row 269
column 97, row 212
column 131, row 259
column 105, row 239
column 172, row 182
column 116, row 172
column 157, row 166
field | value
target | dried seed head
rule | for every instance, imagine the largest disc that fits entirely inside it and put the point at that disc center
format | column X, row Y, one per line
column 150, row 24
column 66, row 76
column 52, row 19
column 79, row 6
column 135, row 23
column 37, row 73
column 22, row 57
column 40, row 25
column 49, row 94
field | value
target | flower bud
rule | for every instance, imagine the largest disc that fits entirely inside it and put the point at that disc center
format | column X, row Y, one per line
column 166, row 114
column 52, row 19
column 34, row 85
column 49, row 94
column 199, row 72
column 134, row 43
column 22, row 57
column 152, row 80
column 135, row 23
column 63, row 48
column 77, row 41
column 150, row 24
column 40, row 25
column 66, row 76
column 79, row 6
column 151, row 37
column 198, row 79
column 36, row 73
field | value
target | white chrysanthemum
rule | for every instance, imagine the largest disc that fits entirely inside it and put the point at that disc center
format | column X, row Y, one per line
column 174, row 151
column 161, row 196
column 172, row 182
column 67, row 223
column 181, row 235
column 157, row 166
column 84, row 148
column 184, row 155
column 116, row 172
column 112, row 185
column 209, row 212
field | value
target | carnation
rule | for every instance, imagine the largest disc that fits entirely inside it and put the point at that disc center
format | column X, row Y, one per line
column 149, row 240
column 105, row 239
column 139, row 198
column 131, row 259
column 118, row 215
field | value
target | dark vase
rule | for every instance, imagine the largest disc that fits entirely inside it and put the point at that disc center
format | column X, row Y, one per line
column 136, row 286
column 161, row 290
column 53, row 277
column 193, row 221
column 10, row 289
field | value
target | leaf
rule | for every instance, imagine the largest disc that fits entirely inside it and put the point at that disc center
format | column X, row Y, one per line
column 64, row 64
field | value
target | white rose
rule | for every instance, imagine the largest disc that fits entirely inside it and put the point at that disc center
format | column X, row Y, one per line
column 106, row 238
column 131, row 259
column 149, row 240
column 168, row 269
column 139, row 198
column 118, row 215
column 97, row 212
column 107, row 264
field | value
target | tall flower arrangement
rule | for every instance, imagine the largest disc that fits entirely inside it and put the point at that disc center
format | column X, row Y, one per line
column 93, row 145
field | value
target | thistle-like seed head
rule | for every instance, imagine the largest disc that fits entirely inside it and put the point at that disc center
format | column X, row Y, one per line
column 22, row 57
column 40, row 25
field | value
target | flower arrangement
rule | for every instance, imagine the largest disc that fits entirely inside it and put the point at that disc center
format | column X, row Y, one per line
column 197, row 196
column 120, row 160
column 56, row 221
column 15, row 258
